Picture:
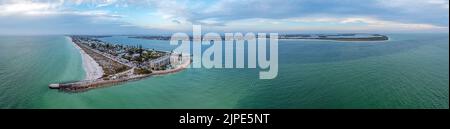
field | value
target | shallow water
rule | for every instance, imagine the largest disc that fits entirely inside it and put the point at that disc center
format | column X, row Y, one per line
column 409, row 71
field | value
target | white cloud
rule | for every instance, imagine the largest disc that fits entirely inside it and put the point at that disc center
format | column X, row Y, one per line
column 24, row 7
column 247, row 15
column 328, row 23
column 370, row 22
column 47, row 8
column 415, row 5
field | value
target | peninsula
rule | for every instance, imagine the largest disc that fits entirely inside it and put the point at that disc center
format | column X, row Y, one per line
column 108, row 64
column 334, row 37
column 337, row 37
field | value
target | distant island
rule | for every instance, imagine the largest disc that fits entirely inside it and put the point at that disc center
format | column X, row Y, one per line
column 152, row 37
column 335, row 37
column 108, row 64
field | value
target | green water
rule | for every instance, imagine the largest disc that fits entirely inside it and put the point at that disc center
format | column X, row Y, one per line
column 410, row 71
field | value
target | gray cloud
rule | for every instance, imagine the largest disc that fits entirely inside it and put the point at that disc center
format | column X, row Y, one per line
column 57, row 19
column 176, row 21
column 409, row 11
column 67, row 24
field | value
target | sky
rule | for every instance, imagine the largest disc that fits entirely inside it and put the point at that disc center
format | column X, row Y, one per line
column 31, row 17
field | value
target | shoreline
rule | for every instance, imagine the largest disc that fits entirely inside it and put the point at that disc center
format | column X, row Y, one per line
column 95, row 72
column 333, row 40
column 91, row 68
column 85, row 85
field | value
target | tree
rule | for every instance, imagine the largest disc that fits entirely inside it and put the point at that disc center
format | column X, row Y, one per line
column 140, row 50
column 130, row 52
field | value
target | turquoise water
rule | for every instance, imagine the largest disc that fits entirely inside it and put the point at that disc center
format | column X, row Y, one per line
column 409, row 71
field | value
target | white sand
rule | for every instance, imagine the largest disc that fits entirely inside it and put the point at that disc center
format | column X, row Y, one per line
column 92, row 69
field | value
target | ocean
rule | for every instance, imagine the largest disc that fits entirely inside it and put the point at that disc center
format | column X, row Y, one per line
column 410, row 71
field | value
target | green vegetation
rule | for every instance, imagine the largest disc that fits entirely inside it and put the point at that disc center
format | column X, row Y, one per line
column 142, row 71
column 118, row 58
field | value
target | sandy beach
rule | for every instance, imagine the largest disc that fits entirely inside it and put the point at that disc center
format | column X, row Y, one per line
column 92, row 69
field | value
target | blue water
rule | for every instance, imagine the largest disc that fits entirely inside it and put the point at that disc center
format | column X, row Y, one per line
column 409, row 71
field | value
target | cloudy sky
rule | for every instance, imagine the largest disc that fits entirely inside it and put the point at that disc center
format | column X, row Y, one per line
column 167, row 16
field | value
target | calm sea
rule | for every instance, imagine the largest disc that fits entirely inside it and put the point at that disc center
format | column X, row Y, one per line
column 409, row 71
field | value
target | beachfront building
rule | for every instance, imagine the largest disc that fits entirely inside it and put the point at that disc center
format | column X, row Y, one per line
column 175, row 58
column 132, row 56
column 162, row 62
